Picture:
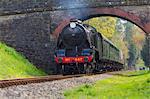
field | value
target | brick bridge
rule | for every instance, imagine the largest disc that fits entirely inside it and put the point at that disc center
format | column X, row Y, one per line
column 32, row 26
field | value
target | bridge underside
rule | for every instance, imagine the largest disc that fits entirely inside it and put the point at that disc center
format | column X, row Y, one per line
column 140, row 19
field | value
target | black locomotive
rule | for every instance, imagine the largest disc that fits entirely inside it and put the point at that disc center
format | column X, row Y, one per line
column 81, row 49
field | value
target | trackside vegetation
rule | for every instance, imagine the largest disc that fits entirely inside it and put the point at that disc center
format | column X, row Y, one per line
column 14, row 65
column 134, row 85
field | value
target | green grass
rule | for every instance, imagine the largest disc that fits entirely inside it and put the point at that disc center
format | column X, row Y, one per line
column 117, row 87
column 131, row 73
column 14, row 65
column 140, row 63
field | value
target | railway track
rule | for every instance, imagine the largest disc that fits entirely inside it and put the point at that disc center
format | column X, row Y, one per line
column 25, row 81
column 13, row 82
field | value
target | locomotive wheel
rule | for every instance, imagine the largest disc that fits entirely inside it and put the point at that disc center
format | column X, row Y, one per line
column 88, row 69
column 64, row 70
column 81, row 69
column 67, row 70
column 59, row 68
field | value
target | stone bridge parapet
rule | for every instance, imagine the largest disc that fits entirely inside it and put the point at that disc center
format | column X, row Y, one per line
column 9, row 7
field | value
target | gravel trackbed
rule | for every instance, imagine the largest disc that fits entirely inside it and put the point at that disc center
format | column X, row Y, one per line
column 48, row 90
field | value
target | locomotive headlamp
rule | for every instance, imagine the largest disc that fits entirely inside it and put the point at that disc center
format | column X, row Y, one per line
column 72, row 24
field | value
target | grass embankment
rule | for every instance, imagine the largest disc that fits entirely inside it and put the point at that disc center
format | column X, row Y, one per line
column 136, row 86
column 130, row 73
column 14, row 65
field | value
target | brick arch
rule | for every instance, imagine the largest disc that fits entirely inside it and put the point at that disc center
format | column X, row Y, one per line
column 115, row 12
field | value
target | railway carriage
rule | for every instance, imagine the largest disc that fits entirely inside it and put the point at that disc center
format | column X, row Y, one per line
column 81, row 49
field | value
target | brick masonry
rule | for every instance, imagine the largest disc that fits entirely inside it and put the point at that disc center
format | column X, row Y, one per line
column 32, row 26
column 30, row 35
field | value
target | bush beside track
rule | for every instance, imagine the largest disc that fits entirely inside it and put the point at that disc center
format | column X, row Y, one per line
column 130, row 85
column 13, row 65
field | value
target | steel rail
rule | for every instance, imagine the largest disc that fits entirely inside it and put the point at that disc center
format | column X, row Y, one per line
column 25, row 81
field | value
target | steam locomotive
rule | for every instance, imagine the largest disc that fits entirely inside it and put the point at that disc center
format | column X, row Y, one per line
column 81, row 49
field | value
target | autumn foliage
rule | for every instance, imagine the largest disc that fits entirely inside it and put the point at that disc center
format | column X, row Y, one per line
column 126, row 36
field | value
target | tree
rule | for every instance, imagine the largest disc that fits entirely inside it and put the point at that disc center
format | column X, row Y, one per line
column 138, row 37
column 128, row 32
column 104, row 25
column 145, row 53
column 120, row 28
column 131, row 45
column 125, row 35
column 132, row 55
column 118, row 39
